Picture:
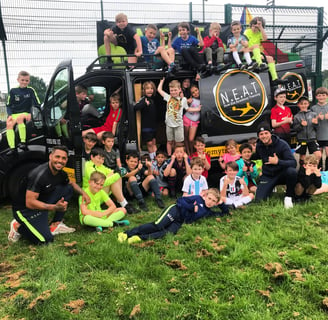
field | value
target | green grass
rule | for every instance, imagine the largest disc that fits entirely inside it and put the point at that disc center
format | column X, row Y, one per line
column 223, row 268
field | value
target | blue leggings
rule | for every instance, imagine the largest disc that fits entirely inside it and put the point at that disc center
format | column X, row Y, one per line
column 34, row 224
column 169, row 221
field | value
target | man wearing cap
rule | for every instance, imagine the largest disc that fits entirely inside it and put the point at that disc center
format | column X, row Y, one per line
column 279, row 165
column 281, row 116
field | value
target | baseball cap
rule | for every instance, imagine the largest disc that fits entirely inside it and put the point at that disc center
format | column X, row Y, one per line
column 263, row 127
column 279, row 91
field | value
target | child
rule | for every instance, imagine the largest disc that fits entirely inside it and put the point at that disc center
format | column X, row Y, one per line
column 199, row 145
column 19, row 103
column 178, row 167
column 174, row 110
column 191, row 119
column 112, row 119
column 256, row 34
column 232, row 153
column 321, row 109
column 187, row 45
column 123, row 35
column 305, row 124
column 92, row 214
column 186, row 210
column 113, row 182
column 112, row 156
column 258, row 162
column 185, row 90
column 150, row 45
column 139, row 180
column 238, row 43
column 81, row 93
column 213, row 47
column 247, row 167
column 234, row 191
column 195, row 183
column 281, row 116
column 89, row 141
column 148, row 109
column 158, row 166
column 308, row 178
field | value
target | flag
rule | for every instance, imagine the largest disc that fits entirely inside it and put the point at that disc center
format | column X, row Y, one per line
column 245, row 18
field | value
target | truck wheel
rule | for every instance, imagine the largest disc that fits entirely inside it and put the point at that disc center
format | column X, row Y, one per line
column 18, row 179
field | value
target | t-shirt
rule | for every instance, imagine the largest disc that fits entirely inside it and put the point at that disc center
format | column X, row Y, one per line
column 174, row 110
column 178, row 44
column 125, row 38
column 91, row 167
column 234, row 190
column 149, row 47
column 95, row 201
column 21, row 100
column 253, row 37
column 322, row 128
column 194, row 187
column 278, row 113
column 162, row 181
column 232, row 40
column 111, row 157
column 193, row 116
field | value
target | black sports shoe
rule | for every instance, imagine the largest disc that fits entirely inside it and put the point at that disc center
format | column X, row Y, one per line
column 160, row 203
column 22, row 146
column 143, row 206
column 173, row 193
column 130, row 209
column 279, row 81
column 12, row 152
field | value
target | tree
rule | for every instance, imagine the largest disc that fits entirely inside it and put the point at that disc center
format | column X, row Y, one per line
column 39, row 86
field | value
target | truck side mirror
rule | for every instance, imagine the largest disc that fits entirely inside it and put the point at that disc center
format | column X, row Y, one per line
column 36, row 117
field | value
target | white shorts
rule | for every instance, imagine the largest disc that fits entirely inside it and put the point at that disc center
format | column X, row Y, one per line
column 238, row 201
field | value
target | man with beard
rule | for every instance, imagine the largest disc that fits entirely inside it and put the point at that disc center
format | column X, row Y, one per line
column 279, row 165
column 48, row 189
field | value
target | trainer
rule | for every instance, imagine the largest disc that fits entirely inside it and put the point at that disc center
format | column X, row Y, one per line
column 48, row 189
column 279, row 165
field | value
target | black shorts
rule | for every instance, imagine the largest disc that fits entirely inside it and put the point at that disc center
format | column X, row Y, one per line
column 323, row 143
column 302, row 146
column 148, row 135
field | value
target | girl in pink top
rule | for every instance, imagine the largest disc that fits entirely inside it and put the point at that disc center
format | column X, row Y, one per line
column 232, row 153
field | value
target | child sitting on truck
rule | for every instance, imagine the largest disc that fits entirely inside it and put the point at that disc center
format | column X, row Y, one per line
column 238, row 43
column 112, row 119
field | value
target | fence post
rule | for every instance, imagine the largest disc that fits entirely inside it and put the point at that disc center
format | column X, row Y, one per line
column 102, row 10
column 190, row 12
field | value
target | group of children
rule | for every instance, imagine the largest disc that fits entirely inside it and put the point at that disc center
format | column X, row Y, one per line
column 202, row 55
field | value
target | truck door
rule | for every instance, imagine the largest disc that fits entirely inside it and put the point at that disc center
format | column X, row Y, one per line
column 61, row 118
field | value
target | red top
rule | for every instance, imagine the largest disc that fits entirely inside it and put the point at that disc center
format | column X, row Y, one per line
column 208, row 41
column 278, row 113
column 114, row 116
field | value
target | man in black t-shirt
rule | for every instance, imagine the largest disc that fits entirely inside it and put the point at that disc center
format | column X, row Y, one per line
column 48, row 188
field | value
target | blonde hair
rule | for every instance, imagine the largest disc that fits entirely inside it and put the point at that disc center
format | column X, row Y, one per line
column 175, row 84
column 196, row 161
column 121, row 16
column 215, row 192
column 215, row 26
column 311, row 159
column 97, row 176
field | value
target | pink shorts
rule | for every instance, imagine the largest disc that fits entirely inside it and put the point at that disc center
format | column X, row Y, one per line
column 189, row 123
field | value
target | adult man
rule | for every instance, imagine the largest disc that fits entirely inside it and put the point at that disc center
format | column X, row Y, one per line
column 279, row 165
column 48, row 189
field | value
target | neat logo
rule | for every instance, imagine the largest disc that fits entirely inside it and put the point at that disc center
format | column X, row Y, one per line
column 295, row 86
column 240, row 97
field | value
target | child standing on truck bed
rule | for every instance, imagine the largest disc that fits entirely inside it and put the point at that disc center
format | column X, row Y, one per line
column 174, row 110
column 321, row 109
column 19, row 103
column 281, row 116
column 112, row 119
column 123, row 35
column 238, row 43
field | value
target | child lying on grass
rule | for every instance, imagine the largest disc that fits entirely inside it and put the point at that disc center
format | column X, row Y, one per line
column 186, row 210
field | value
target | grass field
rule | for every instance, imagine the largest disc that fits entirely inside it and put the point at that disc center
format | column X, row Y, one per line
column 263, row 262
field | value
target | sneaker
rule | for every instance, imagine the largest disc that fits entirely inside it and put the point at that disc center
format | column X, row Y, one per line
column 61, row 228
column 99, row 229
column 121, row 222
column 143, row 206
column 22, row 146
column 263, row 67
column 12, row 153
column 13, row 235
column 160, row 203
column 241, row 67
column 134, row 239
column 131, row 209
column 173, row 193
column 122, row 237
column 279, row 81
column 252, row 66
column 288, row 203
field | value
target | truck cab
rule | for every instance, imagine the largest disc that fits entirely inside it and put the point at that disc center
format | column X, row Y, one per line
column 233, row 104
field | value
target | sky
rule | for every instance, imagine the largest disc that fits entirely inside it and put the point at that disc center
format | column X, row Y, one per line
column 82, row 49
